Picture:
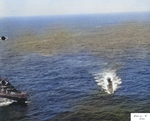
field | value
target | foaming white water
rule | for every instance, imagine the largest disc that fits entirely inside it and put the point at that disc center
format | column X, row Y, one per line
column 101, row 79
column 5, row 102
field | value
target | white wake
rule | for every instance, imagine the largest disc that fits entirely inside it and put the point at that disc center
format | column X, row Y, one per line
column 101, row 79
column 5, row 102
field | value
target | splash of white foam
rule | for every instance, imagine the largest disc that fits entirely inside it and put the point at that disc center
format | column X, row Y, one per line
column 5, row 102
column 101, row 79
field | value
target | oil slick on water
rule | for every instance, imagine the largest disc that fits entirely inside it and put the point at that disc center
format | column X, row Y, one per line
column 102, row 81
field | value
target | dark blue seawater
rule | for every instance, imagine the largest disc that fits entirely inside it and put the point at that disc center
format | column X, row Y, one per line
column 64, row 86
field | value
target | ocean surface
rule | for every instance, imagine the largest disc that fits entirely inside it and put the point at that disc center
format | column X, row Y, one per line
column 63, row 62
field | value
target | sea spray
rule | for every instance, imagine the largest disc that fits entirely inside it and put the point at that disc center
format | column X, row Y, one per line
column 5, row 101
column 102, row 80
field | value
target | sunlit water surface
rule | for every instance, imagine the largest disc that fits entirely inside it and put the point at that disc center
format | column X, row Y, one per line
column 68, row 80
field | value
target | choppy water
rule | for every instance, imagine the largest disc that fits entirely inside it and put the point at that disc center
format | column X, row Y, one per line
column 67, row 80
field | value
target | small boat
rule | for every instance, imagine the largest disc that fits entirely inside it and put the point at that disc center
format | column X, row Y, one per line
column 3, row 38
column 110, row 86
column 9, row 91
